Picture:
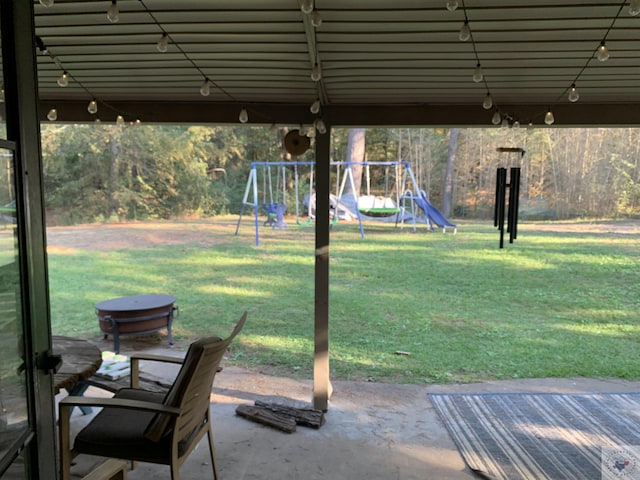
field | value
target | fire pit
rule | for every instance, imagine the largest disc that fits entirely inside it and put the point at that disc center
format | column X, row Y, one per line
column 135, row 315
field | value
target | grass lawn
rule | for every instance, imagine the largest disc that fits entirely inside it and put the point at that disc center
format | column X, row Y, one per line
column 562, row 301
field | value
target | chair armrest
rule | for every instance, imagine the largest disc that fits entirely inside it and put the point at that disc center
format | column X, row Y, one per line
column 156, row 358
column 135, row 364
column 68, row 402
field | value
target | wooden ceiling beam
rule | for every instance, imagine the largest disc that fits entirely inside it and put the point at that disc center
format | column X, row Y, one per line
column 566, row 115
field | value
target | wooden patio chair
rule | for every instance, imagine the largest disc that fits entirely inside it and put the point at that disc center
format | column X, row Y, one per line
column 140, row 425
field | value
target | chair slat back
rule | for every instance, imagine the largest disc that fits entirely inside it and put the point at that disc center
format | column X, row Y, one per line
column 191, row 390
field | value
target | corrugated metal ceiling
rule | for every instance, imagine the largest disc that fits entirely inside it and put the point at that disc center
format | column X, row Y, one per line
column 374, row 53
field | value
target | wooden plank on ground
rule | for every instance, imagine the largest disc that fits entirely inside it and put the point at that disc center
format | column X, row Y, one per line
column 307, row 417
column 265, row 416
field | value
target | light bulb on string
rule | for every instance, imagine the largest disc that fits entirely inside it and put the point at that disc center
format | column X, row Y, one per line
column 205, row 88
column 120, row 120
column 516, row 124
column 63, row 80
column 487, row 103
column 549, row 119
column 46, row 3
column 306, row 6
column 573, row 96
column 244, row 115
column 97, row 120
column 310, row 132
column 52, row 115
column 634, row 7
column 316, row 19
column 505, row 122
column 452, row 5
column 92, row 108
column 315, row 106
column 163, row 43
column 318, row 123
column 477, row 74
column 113, row 13
column 603, row 52
column 465, row 31
column 316, row 74
column 2, row 95
column 497, row 118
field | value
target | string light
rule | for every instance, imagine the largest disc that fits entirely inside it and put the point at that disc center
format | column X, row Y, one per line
column 573, row 96
column 46, row 3
column 63, row 80
column 320, row 126
column 603, row 52
column 52, row 115
column 316, row 19
column 497, row 118
column 634, row 7
column 311, row 131
column 488, row 102
column 452, row 5
column 113, row 13
column 315, row 106
column 2, row 95
column 549, row 118
column 465, row 31
column 205, row 88
column 306, row 6
column 120, row 120
column 478, row 76
column 316, row 74
column 244, row 115
column 92, row 108
column 163, row 43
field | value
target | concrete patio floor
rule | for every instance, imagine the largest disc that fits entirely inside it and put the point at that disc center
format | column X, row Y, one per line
column 372, row 430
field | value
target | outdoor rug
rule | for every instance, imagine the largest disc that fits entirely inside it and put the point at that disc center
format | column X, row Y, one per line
column 545, row 436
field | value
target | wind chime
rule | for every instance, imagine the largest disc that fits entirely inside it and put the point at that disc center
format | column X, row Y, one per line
column 501, row 205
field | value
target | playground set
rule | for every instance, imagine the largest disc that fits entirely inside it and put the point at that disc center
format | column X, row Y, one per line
column 269, row 188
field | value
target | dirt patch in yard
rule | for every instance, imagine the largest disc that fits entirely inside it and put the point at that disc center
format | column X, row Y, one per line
column 119, row 236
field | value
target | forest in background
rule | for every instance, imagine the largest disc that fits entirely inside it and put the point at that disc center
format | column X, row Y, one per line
column 108, row 172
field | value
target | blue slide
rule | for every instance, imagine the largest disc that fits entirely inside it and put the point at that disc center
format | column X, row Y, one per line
column 432, row 213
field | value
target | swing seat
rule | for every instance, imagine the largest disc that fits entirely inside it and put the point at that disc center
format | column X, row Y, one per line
column 275, row 215
column 377, row 207
column 379, row 212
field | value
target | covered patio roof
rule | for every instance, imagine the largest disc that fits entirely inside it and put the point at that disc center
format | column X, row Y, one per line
column 379, row 62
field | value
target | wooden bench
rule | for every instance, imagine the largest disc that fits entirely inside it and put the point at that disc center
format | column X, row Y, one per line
column 112, row 469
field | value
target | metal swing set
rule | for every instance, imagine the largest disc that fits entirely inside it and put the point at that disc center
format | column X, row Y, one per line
column 267, row 189
column 271, row 194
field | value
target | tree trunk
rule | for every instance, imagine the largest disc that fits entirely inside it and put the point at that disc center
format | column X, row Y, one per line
column 355, row 153
column 447, row 190
column 114, row 174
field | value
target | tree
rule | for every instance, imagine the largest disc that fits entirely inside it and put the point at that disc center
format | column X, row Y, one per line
column 447, row 188
column 355, row 153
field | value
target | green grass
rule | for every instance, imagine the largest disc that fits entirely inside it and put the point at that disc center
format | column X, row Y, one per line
column 550, row 305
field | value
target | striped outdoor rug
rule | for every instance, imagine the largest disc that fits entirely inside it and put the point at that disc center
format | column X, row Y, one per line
column 545, row 436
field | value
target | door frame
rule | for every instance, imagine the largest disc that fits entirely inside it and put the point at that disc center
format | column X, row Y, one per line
column 23, row 129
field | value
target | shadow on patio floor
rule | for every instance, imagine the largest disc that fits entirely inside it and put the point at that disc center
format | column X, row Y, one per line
column 372, row 430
